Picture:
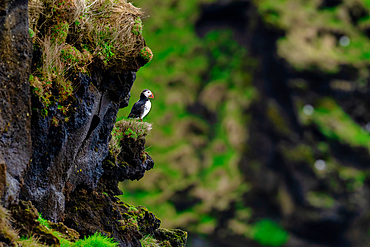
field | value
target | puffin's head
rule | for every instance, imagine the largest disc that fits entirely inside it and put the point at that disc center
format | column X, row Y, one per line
column 147, row 93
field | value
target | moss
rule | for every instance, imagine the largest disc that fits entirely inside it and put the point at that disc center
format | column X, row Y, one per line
column 125, row 131
column 31, row 32
column 76, row 59
column 141, row 218
column 67, row 233
column 337, row 125
column 30, row 242
column 98, row 35
column 176, row 237
column 59, row 32
column 137, row 28
column 26, row 221
column 146, row 54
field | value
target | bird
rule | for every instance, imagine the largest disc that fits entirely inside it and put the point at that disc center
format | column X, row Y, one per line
column 142, row 107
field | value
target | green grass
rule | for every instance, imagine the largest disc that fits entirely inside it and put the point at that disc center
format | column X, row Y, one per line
column 128, row 130
column 96, row 240
column 43, row 221
column 336, row 124
column 268, row 233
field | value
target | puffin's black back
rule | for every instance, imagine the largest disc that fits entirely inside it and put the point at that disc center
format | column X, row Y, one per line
column 138, row 108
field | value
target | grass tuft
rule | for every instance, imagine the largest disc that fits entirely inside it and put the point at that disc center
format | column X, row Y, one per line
column 75, row 35
column 146, row 53
column 6, row 231
column 43, row 221
column 96, row 240
column 128, row 129
column 149, row 241
column 30, row 242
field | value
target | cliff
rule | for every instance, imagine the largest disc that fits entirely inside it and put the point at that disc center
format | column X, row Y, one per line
column 66, row 69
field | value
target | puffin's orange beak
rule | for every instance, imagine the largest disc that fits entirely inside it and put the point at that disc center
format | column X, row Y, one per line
column 151, row 96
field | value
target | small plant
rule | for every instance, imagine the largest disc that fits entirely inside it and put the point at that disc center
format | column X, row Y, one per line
column 59, row 32
column 43, row 221
column 130, row 133
column 55, row 121
column 44, row 113
column 31, row 32
column 146, row 54
column 149, row 241
column 137, row 28
column 96, row 240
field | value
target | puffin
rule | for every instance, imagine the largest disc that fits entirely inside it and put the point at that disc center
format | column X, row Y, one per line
column 142, row 107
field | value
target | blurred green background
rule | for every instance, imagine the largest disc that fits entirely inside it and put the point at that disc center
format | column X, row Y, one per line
column 260, row 121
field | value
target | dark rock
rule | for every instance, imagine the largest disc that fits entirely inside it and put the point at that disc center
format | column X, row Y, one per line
column 91, row 211
column 15, row 112
column 131, row 163
column 72, row 152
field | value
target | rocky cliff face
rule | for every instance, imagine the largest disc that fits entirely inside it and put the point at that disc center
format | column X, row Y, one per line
column 71, row 154
column 59, row 161
column 15, row 114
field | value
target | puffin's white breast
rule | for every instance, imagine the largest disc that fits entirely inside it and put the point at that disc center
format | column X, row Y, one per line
column 147, row 107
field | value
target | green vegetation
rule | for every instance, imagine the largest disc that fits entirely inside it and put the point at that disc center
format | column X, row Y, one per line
column 43, row 221
column 98, row 33
column 131, row 130
column 137, row 28
column 268, row 233
column 7, row 233
column 192, row 152
column 336, row 124
column 146, row 54
column 96, row 240
column 149, row 241
column 320, row 38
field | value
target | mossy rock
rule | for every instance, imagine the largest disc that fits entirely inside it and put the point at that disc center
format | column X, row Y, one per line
column 176, row 237
column 25, row 217
column 145, row 56
column 68, row 233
